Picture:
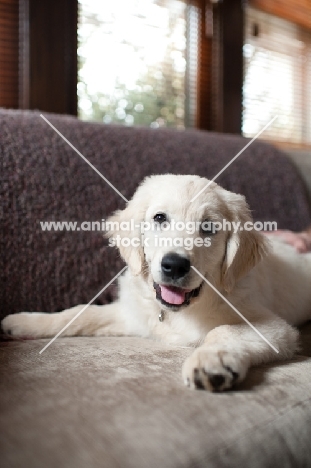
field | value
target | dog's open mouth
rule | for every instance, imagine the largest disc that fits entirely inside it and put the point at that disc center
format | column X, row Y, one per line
column 174, row 297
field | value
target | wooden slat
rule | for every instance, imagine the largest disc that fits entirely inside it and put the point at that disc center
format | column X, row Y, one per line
column 9, row 38
column 7, row 15
column 3, row 63
column 8, row 55
column 8, row 8
column 8, row 76
column 9, row 3
column 4, row 94
column 9, row 102
column 7, row 96
column 297, row 11
column 9, row 50
column 9, row 31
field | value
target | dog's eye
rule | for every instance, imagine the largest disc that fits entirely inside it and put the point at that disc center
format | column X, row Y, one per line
column 160, row 218
column 207, row 228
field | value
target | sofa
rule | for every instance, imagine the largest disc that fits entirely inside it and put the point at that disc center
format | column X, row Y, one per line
column 120, row 402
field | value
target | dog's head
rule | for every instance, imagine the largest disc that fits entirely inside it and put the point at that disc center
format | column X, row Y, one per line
column 162, row 234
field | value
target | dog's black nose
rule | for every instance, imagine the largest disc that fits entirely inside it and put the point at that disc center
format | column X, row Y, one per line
column 174, row 266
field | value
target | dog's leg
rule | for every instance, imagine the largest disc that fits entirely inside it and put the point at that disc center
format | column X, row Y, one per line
column 229, row 351
column 94, row 321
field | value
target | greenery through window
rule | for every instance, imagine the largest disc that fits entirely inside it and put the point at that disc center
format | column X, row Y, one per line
column 132, row 58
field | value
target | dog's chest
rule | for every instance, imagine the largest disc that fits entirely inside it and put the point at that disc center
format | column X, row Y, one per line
column 178, row 329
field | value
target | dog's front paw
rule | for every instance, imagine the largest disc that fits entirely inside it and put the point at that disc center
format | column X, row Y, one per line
column 23, row 325
column 213, row 370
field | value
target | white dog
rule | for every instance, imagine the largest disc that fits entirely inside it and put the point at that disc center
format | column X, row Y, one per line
column 181, row 284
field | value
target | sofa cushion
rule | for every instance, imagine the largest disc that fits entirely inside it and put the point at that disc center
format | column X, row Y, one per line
column 120, row 402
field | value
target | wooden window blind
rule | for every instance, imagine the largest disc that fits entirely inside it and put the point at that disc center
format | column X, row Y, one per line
column 38, row 55
column 296, row 11
column 277, row 77
column 9, row 52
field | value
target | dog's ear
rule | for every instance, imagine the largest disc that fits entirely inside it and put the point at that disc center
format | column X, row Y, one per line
column 124, row 231
column 244, row 248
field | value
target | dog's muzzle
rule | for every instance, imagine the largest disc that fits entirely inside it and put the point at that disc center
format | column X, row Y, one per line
column 174, row 269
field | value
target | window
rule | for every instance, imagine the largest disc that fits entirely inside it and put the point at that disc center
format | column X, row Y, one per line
column 134, row 65
column 277, row 78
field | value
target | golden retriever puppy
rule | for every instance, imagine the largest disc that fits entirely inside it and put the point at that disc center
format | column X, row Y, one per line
column 195, row 279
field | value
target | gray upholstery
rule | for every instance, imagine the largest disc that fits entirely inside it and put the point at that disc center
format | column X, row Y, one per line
column 120, row 402
column 44, row 179
column 106, row 402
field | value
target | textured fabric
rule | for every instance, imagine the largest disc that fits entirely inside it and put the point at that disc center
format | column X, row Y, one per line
column 120, row 403
column 302, row 160
column 44, row 179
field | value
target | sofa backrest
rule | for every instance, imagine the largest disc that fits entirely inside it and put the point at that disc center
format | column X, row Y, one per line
column 44, row 179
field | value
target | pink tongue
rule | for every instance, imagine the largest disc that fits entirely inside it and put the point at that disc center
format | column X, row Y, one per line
column 173, row 295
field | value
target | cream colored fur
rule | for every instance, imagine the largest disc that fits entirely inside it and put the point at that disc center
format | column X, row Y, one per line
column 269, row 285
